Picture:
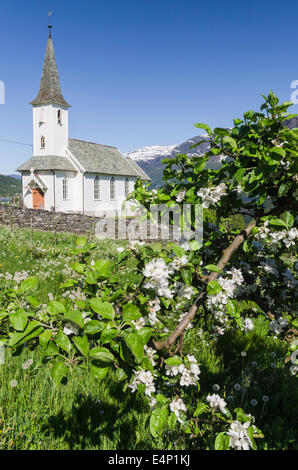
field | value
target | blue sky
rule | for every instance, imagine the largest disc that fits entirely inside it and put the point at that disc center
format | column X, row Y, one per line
column 140, row 72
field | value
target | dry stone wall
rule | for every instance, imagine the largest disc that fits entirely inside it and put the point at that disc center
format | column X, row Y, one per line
column 80, row 224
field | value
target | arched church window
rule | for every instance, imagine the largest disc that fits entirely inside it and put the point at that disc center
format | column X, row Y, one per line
column 42, row 142
column 112, row 188
column 96, row 188
column 65, row 188
column 126, row 187
column 59, row 116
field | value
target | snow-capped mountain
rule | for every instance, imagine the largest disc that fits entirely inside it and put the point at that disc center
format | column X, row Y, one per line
column 150, row 158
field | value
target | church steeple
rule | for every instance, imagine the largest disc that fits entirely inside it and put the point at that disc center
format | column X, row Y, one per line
column 50, row 110
column 50, row 89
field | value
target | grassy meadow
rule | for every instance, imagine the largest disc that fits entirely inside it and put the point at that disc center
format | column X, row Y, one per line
column 249, row 370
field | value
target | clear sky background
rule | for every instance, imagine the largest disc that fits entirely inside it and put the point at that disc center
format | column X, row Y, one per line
column 141, row 72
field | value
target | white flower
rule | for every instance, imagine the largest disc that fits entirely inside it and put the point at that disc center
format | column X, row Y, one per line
column 71, row 329
column 210, row 196
column 176, row 406
column 120, row 249
column 140, row 323
column 217, row 402
column 180, row 196
column 150, row 353
column 247, row 324
column 145, row 377
column 27, row 364
column 178, row 263
column 239, row 438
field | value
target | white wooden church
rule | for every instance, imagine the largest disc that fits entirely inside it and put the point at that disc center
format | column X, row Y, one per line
column 69, row 175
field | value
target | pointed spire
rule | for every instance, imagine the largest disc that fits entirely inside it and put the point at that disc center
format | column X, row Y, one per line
column 50, row 89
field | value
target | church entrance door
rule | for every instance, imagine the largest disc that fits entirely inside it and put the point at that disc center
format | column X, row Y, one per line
column 38, row 199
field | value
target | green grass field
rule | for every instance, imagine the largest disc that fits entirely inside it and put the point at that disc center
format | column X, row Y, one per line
column 85, row 414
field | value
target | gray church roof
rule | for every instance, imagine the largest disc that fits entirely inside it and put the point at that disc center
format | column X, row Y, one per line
column 50, row 90
column 47, row 162
column 142, row 173
column 96, row 158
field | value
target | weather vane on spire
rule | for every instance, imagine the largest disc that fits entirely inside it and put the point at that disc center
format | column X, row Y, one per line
column 50, row 25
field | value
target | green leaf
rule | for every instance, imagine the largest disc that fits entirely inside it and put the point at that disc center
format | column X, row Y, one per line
column 32, row 330
column 201, row 408
column 81, row 242
column 119, row 375
column 104, row 309
column 54, row 308
column 93, row 327
column 103, row 268
column 28, row 284
column 195, row 245
column 91, row 277
column 49, row 350
column 78, row 267
column 206, row 128
column 277, row 222
column 102, row 354
column 108, row 334
column 172, row 421
column 81, row 343
column 288, row 218
column 45, row 337
column 222, row 441
column 174, row 361
column 277, row 153
column 227, row 140
column 213, row 268
column 213, row 288
column 68, row 283
column 3, row 315
column 98, row 372
column 58, row 371
column 232, row 307
column 19, row 320
column 283, row 189
column 158, row 420
column 75, row 317
column 187, row 276
column 178, row 250
column 34, row 302
column 131, row 312
column 145, row 334
column 134, row 342
column 63, row 341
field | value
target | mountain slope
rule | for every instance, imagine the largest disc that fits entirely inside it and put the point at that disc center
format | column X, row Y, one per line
column 9, row 186
column 150, row 158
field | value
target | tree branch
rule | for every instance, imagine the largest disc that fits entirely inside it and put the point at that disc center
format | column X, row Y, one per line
column 226, row 256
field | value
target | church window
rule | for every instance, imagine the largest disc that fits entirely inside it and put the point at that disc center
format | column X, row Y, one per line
column 126, row 187
column 96, row 188
column 112, row 188
column 59, row 116
column 65, row 188
column 42, row 142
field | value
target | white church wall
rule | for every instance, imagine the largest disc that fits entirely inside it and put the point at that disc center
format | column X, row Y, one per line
column 70, row 204
column 45, row 123
column 105, row 205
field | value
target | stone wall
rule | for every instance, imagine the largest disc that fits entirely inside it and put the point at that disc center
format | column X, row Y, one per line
column 45, row 220
column 82, row 224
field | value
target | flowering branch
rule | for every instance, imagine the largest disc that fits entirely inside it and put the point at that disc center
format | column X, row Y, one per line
column 226, row 256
